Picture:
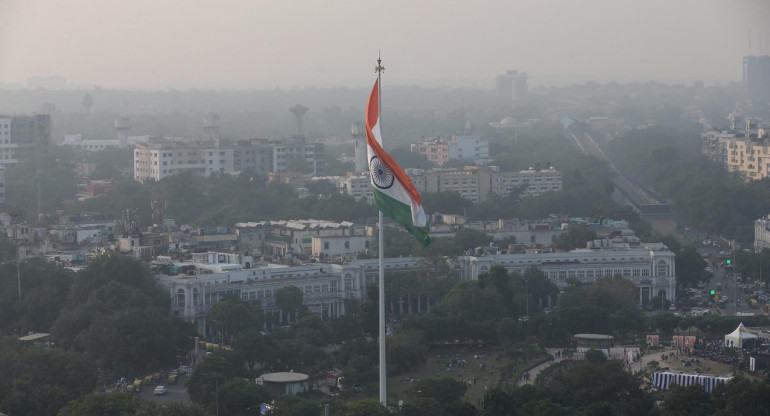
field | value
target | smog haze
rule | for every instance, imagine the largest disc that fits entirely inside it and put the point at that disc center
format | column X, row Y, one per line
column 259, row 44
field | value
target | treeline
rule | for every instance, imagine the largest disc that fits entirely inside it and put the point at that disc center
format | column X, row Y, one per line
column 702, row 191
column 108, row 321
column 224, row 200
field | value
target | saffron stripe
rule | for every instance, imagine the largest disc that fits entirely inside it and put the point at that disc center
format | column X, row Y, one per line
column 372, row 118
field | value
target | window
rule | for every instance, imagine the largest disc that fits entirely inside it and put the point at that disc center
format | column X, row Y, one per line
column 348, row 282
column 326, row 245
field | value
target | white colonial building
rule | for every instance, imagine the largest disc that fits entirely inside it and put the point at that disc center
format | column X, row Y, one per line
column 324, row 286
column 651, row 267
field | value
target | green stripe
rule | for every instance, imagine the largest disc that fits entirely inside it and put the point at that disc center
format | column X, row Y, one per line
column 402, row 214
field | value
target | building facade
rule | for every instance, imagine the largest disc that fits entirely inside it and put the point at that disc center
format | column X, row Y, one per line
column 23, row 138
column 439, row 151
column 160, row 157
column 511, row 86
column 310, row 238
column 743, row 148
column 652, row 267
column 295, row 151
column 479, row 183
column 756, row 77
column 761, row 234
column 157, row 159
column 325, row 287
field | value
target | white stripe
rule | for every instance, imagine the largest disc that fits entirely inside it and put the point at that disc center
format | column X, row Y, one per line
column 397, row 191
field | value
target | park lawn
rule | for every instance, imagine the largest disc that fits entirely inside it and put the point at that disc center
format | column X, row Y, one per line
column 498, row 371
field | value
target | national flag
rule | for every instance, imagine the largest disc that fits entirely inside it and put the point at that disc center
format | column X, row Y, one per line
column 394, row 193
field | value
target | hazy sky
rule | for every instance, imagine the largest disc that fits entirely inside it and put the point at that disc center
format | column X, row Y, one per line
column 161, row 44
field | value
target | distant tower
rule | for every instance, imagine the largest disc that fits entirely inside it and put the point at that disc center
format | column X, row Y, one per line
column 511, row 87
column 299, row 111
column 211, row 127
column 359, row 135
column 122, row 125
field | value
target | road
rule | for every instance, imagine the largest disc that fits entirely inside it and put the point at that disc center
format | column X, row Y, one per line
column 730, row 289
column 176, row 392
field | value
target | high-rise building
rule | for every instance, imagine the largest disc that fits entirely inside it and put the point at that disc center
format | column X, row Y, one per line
column 24, row 138
column 294, row 152
column 756, row 77
column 511, row 86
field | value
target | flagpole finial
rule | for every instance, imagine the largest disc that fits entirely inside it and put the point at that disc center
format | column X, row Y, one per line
column 379, row 68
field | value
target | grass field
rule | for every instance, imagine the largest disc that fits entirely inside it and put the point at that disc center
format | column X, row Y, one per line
column 497, row 371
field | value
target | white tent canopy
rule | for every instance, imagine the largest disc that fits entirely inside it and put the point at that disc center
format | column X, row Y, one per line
column 736, row 338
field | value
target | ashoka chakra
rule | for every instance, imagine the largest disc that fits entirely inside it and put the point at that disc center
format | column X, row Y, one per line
column 381, row 176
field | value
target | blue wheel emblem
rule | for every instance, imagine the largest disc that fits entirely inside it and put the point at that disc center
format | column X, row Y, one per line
column 382, row 177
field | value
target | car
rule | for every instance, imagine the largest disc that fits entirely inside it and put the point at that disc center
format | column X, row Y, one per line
column 160, row 390
column 184, row 369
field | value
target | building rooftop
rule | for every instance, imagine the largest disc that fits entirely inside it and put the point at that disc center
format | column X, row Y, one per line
column 284, row 377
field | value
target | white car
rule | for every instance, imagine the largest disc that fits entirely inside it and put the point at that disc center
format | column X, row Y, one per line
column 160, row 390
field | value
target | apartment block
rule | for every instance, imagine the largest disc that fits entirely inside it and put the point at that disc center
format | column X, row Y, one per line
column 157, row 159
column 478, row 183
column 23, row 138
column 291, row 152
column 439, row 151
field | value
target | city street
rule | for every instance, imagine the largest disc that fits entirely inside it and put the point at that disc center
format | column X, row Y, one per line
column 176, row 392
column 730, row 289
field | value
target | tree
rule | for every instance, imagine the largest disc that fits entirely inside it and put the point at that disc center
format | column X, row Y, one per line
column 595, row 356
column 365, row 407
column 288, row 405
column 594, row 382
column 360, row 371
column 406, row 350
column 38, row 381
column 468, row 238
column 576, row 237
column 290, row 300
column 117, row 315
column 687, row 401
column 256, row 350
column 741, row 396
column 237, row 397
column 96, row 404
column 206, row 383
column 442, row 390
column 499, row 402
column 232, row 315
column 435, row 256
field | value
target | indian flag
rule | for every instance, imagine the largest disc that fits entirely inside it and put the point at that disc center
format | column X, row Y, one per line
column 394, row 193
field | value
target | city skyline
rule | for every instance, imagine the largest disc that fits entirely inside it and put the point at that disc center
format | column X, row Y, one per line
column 293, row 44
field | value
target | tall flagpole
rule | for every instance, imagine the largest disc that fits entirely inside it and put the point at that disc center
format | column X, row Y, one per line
column 383, row 373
